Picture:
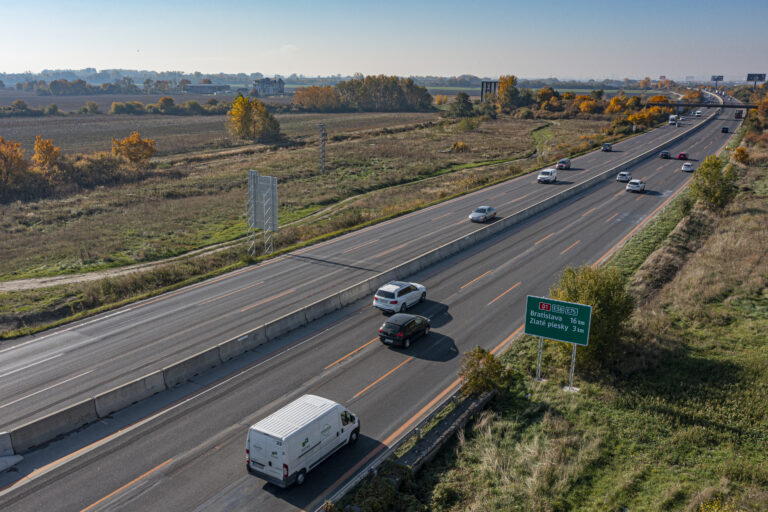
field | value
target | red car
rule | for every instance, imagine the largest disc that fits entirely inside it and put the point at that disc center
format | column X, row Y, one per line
column 682, row 156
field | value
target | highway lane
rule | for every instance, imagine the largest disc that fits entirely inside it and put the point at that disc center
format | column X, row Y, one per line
column 58, row 368
column 191, row 456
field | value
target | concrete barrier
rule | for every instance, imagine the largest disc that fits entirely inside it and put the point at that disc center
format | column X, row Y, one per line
column 323, row 307
column 286, row 323
column 123, row 396
column 6, row 448
column 191, row 366
column 44, row 429
column 355, row 293
column 234, row 347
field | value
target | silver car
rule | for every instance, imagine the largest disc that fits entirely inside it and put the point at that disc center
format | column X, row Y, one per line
column 482, row 214
column 623, row 176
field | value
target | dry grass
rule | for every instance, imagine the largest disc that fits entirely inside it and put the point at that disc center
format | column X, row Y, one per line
column 202, row 203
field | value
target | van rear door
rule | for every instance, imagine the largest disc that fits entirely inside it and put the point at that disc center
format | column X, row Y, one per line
column 267, row 453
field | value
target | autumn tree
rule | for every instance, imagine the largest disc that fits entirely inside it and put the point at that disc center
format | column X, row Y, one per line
column 508, row 93
column 588, row 106
column 545, row 94
column 166, row 105
column 13, row 165
column 645, row 83
column 46, row 159
column 134, row 148
column 617, row 104
column 321, row 99
column 249, row 119
column 206, row 81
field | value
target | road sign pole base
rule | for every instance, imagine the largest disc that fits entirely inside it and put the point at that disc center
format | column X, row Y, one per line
column 539, row 379
column 571, row 389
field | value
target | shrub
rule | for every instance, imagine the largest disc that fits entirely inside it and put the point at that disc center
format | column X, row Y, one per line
column 604, row 290
column 741, row 155
column 460, row 147
column 134, row 148
column 481, row 372
column 468, row 124
column 712, row 185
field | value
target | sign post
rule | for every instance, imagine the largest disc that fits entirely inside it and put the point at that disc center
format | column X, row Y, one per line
column 538, row 360
column 558, row 320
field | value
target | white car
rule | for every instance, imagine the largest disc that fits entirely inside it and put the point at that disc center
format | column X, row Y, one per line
column 482, row 214
column 398, row 296
column 636, row 186
column 697, row 113
column 687, row 167
column 682, row 118
column 623, row 176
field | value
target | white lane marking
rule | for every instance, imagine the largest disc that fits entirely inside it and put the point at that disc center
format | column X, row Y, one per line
column 45, row 389
column 33, row 364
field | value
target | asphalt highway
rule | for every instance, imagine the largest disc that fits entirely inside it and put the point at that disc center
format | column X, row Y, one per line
column 188, row 454
column 63, row 366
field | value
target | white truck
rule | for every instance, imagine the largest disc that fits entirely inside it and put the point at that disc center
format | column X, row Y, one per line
column 672, row 119
column 293, row 440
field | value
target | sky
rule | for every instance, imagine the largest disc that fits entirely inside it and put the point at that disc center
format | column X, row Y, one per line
column 531, row 39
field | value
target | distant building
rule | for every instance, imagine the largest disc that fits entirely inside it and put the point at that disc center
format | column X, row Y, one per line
column 206, row 88
column 269, row 86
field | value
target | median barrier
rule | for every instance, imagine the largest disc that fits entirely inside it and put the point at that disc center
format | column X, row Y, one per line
column 282, row 325
column 191, row 366
column 408, row 268
column 234, row 347
column 123, row 396
column 355, row 292
column 6, row 448
column 44, row 429
column 323, row 307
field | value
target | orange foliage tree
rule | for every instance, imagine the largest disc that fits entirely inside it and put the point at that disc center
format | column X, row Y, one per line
column 325, row 98
column 13, row 165
column 134, row 148
column 645, row 83
column 617, row 104
column 46, row 159
column 588, row 106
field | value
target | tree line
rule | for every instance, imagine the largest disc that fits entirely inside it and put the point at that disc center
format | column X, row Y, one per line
column 365, row 94
column 165, row 105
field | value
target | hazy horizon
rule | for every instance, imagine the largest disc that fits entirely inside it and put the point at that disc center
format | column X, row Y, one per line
column 595, row 40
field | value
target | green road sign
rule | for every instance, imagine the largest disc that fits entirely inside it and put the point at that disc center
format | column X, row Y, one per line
column 558, row 320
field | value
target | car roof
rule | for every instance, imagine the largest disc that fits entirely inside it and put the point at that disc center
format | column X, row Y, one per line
column 400, row 318
column 564, row 159
column 637, row 182
column 394, row 286
column 485, row 206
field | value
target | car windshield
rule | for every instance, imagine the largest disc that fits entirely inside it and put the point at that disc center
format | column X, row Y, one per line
column 545, row 173
column 390, row 328
column 480, row 210
column 385, row 294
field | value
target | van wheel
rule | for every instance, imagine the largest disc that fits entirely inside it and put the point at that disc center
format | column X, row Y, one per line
column 407, row 343
column 300, row 477
column 423, row 297
column 353, row 436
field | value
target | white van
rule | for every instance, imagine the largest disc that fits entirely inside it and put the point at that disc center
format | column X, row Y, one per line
column 288, row 443
column 672, row 119
column 547, row 175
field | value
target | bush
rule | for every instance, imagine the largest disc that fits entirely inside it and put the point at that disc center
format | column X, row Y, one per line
column 460, row 147
column 712, row 185
column 524, row 113
column 603, row 289
column 481, row 372
column 468, row 124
